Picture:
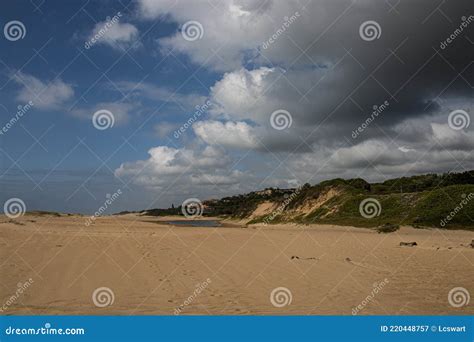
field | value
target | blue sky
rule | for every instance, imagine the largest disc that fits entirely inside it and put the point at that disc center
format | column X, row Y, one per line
column 54, row 45
column 306, row 62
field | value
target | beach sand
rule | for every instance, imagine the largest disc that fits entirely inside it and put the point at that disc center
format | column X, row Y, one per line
column 153, row 268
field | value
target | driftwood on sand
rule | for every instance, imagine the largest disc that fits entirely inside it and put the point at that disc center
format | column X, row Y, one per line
column 408, row 244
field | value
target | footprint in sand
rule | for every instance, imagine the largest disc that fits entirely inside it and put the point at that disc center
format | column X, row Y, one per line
column 301, row 258
column 368, row 266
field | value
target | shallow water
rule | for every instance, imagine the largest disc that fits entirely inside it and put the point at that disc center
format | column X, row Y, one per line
column 196, row 223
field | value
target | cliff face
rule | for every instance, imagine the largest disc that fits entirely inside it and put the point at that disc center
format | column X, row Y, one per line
column 443, row 201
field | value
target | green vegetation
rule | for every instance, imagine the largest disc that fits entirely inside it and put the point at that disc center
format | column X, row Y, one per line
column 424, row 182
column 455, row 202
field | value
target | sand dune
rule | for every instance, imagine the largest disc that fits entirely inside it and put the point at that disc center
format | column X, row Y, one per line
column 155, row 268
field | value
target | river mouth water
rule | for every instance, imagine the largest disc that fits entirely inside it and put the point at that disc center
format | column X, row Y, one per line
column 195, row 223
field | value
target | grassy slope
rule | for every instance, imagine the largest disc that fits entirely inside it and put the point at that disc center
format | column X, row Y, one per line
column 425, row 208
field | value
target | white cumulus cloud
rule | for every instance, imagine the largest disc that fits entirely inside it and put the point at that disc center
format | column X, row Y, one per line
column 227, row 134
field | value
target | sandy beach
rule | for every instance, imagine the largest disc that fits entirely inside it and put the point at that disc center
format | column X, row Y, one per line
column 153, row 268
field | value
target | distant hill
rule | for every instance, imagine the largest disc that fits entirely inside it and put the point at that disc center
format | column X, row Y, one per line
column 443, row 201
